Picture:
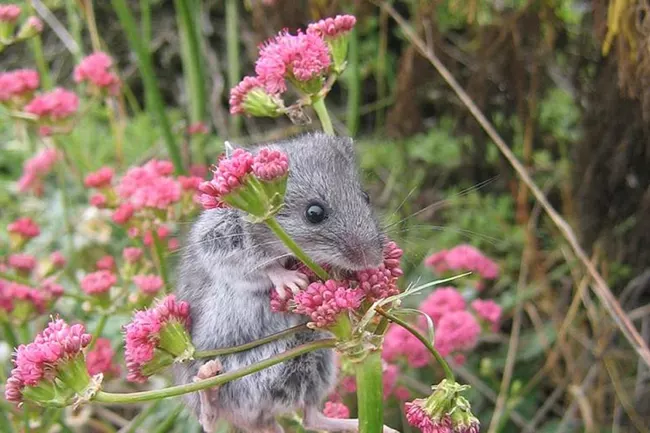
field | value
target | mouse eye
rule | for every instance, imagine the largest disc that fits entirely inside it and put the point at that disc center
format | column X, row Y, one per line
column 315, row 213
column 366, row 197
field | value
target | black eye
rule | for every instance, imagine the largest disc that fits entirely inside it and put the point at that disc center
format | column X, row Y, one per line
column 366, row 197
column 315, row 213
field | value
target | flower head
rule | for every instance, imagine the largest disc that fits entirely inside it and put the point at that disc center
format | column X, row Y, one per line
column 332, row 27
column 98, row 200
column 100, row 359
column 442, row 301
column 323, row 302
column 9, row 13
column 32, row 26
column 132, row 254
column 381, row 282
column 336, row 410
column 22, row 300
column 150, row 186
column 156, row 338
column 123, row 213
column 57, row 259
column 55, row 105
column 190, row 183
column 16, row 87
column 269, row 165
column 464, row 258
column 98, row 282
column 251, row 97
column 95, row 70
column 55, row 352
column 106, row 263
column 99, row 178
column 24, row 227
column 488, row 310
column 399, row 342
column 22, row 262
column 36, row 168
column 149, row 284
column 456, row 331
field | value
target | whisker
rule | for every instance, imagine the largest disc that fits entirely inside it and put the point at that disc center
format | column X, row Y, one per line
column 266, row 262
column 468, row 234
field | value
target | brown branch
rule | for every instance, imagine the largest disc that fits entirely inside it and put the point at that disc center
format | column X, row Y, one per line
column 600, row 287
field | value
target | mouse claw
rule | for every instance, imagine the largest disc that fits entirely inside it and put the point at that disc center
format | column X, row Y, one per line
column 284, row 279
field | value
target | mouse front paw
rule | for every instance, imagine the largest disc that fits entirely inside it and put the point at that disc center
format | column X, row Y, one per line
column 284, row 279
column 209, row 369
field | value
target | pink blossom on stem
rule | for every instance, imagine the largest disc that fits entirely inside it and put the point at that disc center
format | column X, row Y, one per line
column 399, row 342
column 332, row 27
column 36, row 168
column 463, row 258
column 240, row 91
column 197, row 128
column 442, row 301
column 270, row 164
column 100, row 359
column 99, row 178
column 106, row 263
column 418, row 417
column 98, row 200
column 228, row 176
column 149, row 284
column 488, row 310
column 437, row 261
column 11, row 292
column 132, row 254
column 336, row 410
column 190, row 183
column 55, row 105
column 57, row 259
column 34, row 25
column 18, row 84
column 53, row 289
column 323, row 302
column 22, row 262
column 9, row 13
column 456, row 331
column 278, row 304
column 123, row 213
column 98, row 282
column 95, row 69
column 25, row 227
column 150, row 186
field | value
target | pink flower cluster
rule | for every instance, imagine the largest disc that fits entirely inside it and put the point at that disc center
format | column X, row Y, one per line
column 11, row 292
column 55, row 105
column 106, row 263
column 442, row 301
column 332, row 27
column 142, row 334
column 381, row 282
column 399, row 342
column 100, row 359
column 489, row 311
column 24, row 227
column 39, row 360
column 148, row 284
column 95, row 69
column 35, row 169
column 100, row 178
column 9, row 13
column 132, row 254
column 417, row 417
column 463, row 258
column 98, row 282
column 150, row 186
column 335, row 409
column 231, row 173
column 17, row 86
column 323, row 302
column 239, row 93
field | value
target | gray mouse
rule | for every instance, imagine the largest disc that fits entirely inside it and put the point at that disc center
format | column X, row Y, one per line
column 230, row 266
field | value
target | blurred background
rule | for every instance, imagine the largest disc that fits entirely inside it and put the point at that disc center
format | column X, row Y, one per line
column 563, row 82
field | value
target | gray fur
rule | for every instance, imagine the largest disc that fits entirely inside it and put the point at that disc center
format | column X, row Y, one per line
column 223, row 276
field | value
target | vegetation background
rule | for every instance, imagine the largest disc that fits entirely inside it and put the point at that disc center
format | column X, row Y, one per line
column 565, row 84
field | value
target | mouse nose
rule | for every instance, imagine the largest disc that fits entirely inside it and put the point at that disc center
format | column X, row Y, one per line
column 362, row 254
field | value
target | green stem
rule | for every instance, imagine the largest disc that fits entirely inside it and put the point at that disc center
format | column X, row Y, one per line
column 168, row 422
column 65, row 206
column 295, row 249
column 370, row 393
column 232, row 50
column 148, row 76
column 36, row 45
column 98, row 330
column 449, row 374
column 323, row 115
column 354, row 84
column 74, row 24
column 142, row 416
column 15, row 279
column 252, row 344
column 160, row 258
column 9, row 334
column 145, row 22
column 107, row 397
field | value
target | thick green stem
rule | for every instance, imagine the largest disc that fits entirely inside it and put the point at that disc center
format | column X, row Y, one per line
column 323, row 115
column 160, row 258
column 98, row 330
column 232, row 50
column 370, row 394
column 295, row 249
column 251, row 345
column 107, row 397
column 449, row 374
column 9, row 334
column 148, row 76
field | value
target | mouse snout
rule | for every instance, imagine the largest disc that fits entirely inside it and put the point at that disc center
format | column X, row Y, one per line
column 361, row 254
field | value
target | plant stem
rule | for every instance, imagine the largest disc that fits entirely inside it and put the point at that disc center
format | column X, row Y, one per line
column 160, row 258
column 232, row 50
column 107, row 397
column 41, row 64
column 323, row 115
column 252, row 344
column 148, row 76
column 449, row 374
column 370, row 393
column 354, row 84
column 74, row 24
column 98, row 331
column 168, row 422
column 145, row 22
column 142, row 416
column 9, row 334
column 295, row 249
column 15, row 279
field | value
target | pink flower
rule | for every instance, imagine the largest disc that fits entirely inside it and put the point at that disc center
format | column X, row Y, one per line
column 149, row 284
column 270, row 164
column 229, row 174
column 100, row 359
column 442, row 301
column 18, row 84
column 302, row 57
column 57, row 259
column 323, row 302
column 123, row 213
column 55, row 105
column 437, row 261
column 398, row 342
column 11, row 292
column 418, row 417
column 456, row 331
column 251, row 97
column 190, row 183
column 332, row 27
column 9, row 13
column 147, row 331
column 197, row 128
column 488, row 310
column 199, row 170
column 95, row 69
column 37, row 168
column 278, row 304
column 99, row 178
column 51, row 288
column 162, row 232
column 149, row 186
column 34, row 25
column 36, row 363
column 132, row 254
column 98, row 200
column 98, row 282
column 25, row 227
column 381, row 282
column 464, row 258
column 22, row 262
column 173, row 244
column 106, row 263
column 336, row 410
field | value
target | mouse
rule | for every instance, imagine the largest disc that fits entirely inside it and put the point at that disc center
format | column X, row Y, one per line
column 230, row 266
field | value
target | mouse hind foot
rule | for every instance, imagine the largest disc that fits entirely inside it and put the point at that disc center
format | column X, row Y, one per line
column 316, row 420
column 208, row 413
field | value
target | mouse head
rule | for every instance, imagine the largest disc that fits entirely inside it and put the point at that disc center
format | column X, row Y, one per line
column 326, row 210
